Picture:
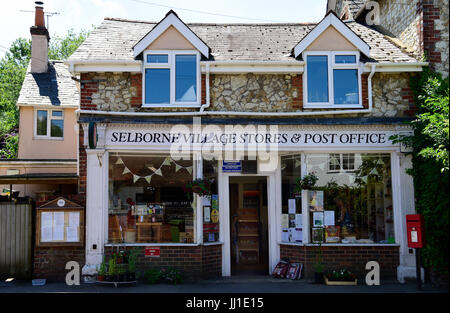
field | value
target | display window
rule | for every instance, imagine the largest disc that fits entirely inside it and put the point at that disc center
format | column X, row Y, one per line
column 210, row 202
column 291, row 217
column 351, row 202
column 148, row 199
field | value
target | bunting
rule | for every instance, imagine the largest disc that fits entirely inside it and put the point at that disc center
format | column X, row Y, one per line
column 168, row 161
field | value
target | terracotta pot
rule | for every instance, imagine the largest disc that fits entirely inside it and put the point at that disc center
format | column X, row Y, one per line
column 100, row 277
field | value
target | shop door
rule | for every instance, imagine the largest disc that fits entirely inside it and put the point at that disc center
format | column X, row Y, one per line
column 248, row 225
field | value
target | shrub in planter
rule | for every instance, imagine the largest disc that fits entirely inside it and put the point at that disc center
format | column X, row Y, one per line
column 171, row 275
column 152, row 276
column 101, row 276
column 342, row 275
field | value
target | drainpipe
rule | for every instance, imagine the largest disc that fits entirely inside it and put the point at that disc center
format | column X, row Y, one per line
column 208, row 101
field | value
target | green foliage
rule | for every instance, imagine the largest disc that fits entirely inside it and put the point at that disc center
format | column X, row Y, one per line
column 152, row 276
column 13, row 68
column 307, row 182
column 341, row 275
column 171, row 275
column 430, row 171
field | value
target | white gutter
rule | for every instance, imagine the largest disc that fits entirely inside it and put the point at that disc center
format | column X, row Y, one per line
column 239, row 113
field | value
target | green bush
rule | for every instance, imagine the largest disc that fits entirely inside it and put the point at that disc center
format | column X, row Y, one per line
column 430, row 145
column 152, row 276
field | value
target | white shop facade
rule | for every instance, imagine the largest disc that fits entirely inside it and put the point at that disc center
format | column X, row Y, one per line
column 140, row 179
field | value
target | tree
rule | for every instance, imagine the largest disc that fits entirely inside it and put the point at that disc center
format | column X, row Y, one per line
column 430, row 170
column 13, row 68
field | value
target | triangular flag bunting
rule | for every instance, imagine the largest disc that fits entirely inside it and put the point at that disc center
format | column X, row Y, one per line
column 189, row 169
column 119, row 161
column 148, row 178
column 158, row 171
column 297, row 163
column 373, row 171
column 364, row 179
column 167, row 161
column 135, row 178
column 177, row 167
column 126, row 170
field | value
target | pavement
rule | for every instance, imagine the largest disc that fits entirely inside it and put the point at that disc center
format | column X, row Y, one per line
column 229, row 285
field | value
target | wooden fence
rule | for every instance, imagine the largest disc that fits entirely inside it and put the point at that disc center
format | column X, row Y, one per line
column 15, row 240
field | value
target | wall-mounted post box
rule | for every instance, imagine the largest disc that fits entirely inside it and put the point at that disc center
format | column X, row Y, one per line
column 415, row 230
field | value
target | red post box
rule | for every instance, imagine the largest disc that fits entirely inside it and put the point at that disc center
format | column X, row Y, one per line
column 415, row 230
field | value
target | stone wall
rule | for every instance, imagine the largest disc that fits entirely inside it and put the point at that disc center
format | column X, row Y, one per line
column 392, row 95
column 250, row 92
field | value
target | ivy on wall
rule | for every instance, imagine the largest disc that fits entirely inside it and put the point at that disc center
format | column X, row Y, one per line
column 430, row 170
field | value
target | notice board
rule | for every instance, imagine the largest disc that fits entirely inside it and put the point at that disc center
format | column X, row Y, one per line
column 60, row 222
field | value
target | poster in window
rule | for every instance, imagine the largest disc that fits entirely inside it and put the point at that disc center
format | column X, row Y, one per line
column 317, row 234
column 206, row 214
column 332, row 234
column 318, row 219
column 315, row 200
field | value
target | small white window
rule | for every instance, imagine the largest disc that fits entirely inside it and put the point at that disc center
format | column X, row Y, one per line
column 171, row 78
column 341, row 162
column 332, row 79
column 49, row 124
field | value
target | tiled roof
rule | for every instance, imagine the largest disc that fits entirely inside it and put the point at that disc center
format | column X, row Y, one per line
column 114, row 39
column 56, row 87
column 355, row 5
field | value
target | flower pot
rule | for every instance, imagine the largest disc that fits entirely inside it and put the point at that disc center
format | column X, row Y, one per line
column 341, row 283
column 318, row 278
column 100, row 277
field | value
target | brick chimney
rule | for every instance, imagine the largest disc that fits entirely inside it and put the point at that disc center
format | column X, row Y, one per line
column 39, row 41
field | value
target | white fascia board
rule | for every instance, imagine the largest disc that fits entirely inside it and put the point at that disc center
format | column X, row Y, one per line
column 391, row 67
column 332, row 20
column 255, row 69
column 171, row 20
column 82, row 66
column 49, row 106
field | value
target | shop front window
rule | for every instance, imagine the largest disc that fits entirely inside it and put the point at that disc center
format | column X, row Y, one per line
column 211, row 202
column 352, row 199
column 147, row 199
column 291, row 217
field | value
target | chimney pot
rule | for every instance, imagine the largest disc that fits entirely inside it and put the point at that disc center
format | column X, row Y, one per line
column 39, row 16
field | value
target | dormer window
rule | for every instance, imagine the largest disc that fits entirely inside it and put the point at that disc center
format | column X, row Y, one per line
column 171, row 78
column 332, row 80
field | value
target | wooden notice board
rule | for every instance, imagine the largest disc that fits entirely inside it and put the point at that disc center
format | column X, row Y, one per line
column 60, row 222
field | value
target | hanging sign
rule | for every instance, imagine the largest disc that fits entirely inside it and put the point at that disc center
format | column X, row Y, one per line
column 231, row 166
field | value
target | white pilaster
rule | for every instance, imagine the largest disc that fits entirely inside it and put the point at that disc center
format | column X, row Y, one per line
column 96, row 208
column 403, row 197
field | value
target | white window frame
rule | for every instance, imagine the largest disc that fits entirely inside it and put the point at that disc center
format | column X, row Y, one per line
column 50, row 117
column 332, row 66
column 170, row 65
column 341, row 163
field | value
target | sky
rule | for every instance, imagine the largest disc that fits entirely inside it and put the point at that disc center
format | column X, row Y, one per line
column 86, row 14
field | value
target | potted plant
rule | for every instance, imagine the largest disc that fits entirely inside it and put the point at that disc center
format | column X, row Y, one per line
column 342, row 277
column 132, row 256
column 112, row 270
column 318, row 266
column 152, row 276
column 122, row 273
column 171, row 275
column 102, row 271
column 307, row 182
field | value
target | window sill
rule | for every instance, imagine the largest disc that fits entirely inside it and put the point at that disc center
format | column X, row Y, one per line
column 216, row 243
column 152, row 244
column 340, row 244
column 334, row 107
column 172, row 106
column 48, row 138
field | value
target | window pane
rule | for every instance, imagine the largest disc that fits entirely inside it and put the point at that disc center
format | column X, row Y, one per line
column 291, row 200
column 345, row 86
column 157, row 58
column 57, row 113
column 317, row 78
column 41, row 123
column 57, row 128
column 211, row 228
column 186, row 78
column 352, row 207
column 157, row 85
column 345, row 59
column 148, row 202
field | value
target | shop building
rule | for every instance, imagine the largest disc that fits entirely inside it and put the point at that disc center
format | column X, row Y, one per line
column 252, row 108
